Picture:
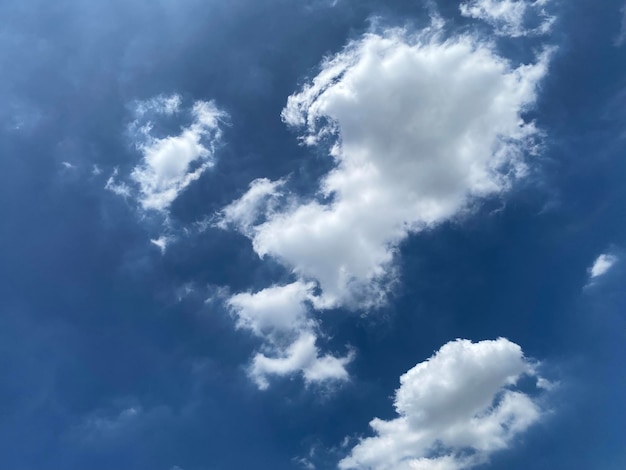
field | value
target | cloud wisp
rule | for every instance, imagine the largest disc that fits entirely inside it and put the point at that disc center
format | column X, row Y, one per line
column 601, row 266
column 454, row 410
column 513, row 18
column 419, row 127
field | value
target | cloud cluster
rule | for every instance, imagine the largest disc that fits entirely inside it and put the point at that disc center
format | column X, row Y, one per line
column 418, row 126
column 169, row 164
column 512, row 18
column 454, row 410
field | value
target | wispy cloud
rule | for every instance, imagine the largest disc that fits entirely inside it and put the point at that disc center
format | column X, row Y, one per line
column 279, row 315
column 621, row 37
column 512, row 18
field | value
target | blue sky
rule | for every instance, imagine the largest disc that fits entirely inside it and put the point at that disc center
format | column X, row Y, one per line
column 312, row 234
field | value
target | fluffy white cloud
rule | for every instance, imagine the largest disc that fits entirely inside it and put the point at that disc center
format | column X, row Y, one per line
column 279, row 315
column 602, row 265
column 511, row 17
column 419, row 127
column 300, row 356
column 256, row 203
column 275, row 310
column 422, row 126
column 169, row 164
column 455, row 409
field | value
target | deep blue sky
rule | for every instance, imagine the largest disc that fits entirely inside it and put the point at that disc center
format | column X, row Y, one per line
column 105, row 364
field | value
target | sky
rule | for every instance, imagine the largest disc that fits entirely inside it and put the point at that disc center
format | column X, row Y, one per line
column 312, row 234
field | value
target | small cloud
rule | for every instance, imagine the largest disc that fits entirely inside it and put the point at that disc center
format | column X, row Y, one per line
column 161, row 242
column 545, row 384
column 602, row 265
column 68, row 165
column 305, row 463
column 101, row 424
column 279, row 316
column 169, row 163
column 96, row 170
column 120, row 189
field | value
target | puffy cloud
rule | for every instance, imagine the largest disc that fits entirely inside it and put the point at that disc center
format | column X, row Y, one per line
column 422, row 126
column 455, row 409
column 257, row 202
column 279, row 315
column 602, row 265
column 511, row 17
column 169, row 164
column 300, row 356
column 418, row 127
column 275, row 310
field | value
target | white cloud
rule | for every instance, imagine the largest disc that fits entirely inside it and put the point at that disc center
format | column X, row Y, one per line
column 275, row 310
column 279, row 315
column 300, row 356
column 513, row 18
column 422, row 126
column 169, row 164
column 161, row 242
column 120, row 189
column 257, row 202
column 454, row 410
column 602, row 265
column 161, row 104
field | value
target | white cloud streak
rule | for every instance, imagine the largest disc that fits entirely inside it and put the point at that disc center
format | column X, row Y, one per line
column 512, row 18
column 454, row 410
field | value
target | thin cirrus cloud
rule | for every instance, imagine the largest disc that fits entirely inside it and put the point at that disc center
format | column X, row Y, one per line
column 454, row 410
column 513, row 18
column 420, row 127
column 169, row 164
